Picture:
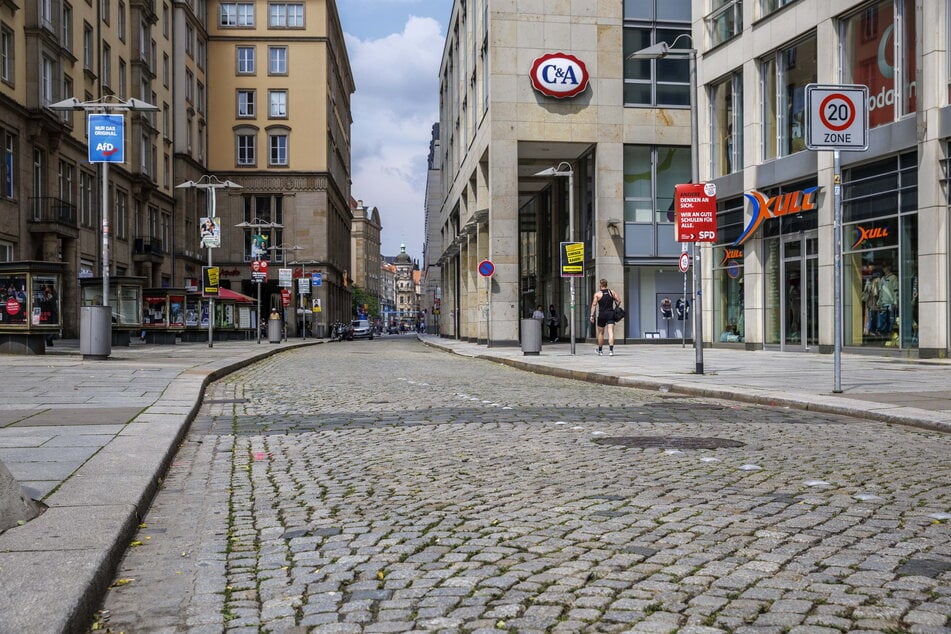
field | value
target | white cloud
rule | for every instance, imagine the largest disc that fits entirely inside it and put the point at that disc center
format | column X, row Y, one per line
column 394, row 108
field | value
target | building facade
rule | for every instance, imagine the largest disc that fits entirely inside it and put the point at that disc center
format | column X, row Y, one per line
column 430, row 298
column 365, row 248
column 625, row 138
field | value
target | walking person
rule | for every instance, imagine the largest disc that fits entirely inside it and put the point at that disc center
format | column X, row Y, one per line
column 602, row 314
column 552, row 323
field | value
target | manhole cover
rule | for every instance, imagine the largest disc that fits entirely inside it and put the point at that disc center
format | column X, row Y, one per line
column 924, row 567
column 669, row 442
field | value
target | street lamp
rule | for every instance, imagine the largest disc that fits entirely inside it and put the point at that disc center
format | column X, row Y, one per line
column 211, row 184
column 661, row 50
column 564, row 169
column 115, row 134
column 259, row 224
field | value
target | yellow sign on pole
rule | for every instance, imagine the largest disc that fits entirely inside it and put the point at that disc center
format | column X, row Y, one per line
column 572, row 259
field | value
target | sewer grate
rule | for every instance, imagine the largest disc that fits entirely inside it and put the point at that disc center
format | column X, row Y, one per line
column 669, row 442
column 227, row 401
column 924, row 567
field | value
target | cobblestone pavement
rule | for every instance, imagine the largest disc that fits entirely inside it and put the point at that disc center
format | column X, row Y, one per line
column 385, row 487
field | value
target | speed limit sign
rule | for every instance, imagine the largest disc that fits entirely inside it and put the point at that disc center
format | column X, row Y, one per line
column 684, row 263
column 836, row 117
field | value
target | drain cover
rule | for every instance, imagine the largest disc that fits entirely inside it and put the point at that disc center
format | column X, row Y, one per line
column 226, row 401
column 924, row 567
column 669, row 442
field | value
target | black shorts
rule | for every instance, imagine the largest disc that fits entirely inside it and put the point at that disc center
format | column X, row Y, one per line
column 605, row 317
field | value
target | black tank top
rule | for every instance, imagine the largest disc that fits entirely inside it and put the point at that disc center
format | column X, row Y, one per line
column 607, row 300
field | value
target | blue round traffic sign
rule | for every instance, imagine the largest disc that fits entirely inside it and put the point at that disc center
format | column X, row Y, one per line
column 486, row 268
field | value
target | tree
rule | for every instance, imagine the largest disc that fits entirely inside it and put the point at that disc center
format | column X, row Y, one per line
column 361, row 297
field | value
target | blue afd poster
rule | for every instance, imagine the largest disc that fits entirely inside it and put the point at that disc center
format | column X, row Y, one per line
column 106, row 138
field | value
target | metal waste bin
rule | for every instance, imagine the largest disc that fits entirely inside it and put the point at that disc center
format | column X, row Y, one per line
column 275, row 328
column 531, row 336
column 95, row 332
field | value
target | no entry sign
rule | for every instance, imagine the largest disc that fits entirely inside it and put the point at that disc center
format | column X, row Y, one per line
column 696, row 206
column 837, row 117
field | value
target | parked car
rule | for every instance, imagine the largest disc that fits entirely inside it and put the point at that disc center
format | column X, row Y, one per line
column 362, row 329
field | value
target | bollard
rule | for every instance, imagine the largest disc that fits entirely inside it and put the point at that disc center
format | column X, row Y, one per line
column 274, row 328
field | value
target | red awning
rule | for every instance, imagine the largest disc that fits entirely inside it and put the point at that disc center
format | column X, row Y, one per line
column 227, row 293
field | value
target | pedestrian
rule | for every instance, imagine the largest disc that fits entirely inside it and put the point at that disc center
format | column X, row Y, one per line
column 553, row 323
column 602, row 314
column 539, row 313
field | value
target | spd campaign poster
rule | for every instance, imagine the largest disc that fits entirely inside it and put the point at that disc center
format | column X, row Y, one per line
column 696, row 207
column 572, row 259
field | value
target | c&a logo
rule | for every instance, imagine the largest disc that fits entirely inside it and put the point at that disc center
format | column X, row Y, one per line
column 781, row 205
column 559, row 75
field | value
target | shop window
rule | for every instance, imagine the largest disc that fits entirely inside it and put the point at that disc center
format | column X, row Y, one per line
column 726, row 117
column 656, row 82
column 784, row 76
column 650, row 174
column 728, row 292
column 882, row 57
column 880, row 242
column 725, row 22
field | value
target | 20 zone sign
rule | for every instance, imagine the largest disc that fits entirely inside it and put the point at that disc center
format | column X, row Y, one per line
column 836, row 117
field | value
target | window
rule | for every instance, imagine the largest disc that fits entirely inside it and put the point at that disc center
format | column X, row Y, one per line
column 87, row 198
column 88, row 50
column 46, row 80
column 245, row 141
column 266, row 209
column 67, row 115
column 46, row 14
column 650, row 174
column 166, row 121
column 245, row 60
column 236, row 14
column 768, row 6
column 66, row 178
column 165, row 69
column 277, row 108
column 726, row 20
column 202, row 59
column 122, row 79
column 6, row 251
column 785, row 75
column 166, row 20
column 120, row 20
column 190, row 41
column 105, row 14
column 189, row 86
column 246, row 104
column 656, row 82
column 106, row 65
column 200, row 96
column 277, row 60
column 67, row 30
column 277, row 144
column 6, row 55
column 286, row 15
column 9, row 165
column 875, row 53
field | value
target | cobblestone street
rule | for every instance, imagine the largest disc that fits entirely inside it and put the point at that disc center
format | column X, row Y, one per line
column 384, row 486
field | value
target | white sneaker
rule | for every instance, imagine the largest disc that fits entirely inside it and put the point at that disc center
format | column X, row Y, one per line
column 611, row 353
column 600, row 353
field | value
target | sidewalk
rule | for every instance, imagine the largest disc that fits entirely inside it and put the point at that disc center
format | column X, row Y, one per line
column 96, row 437
column 904, row 391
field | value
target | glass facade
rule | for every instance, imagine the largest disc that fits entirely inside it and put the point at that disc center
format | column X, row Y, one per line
column 650, row 174
column 726, row 117
column 785, row 75
column 729, row 320
column 880, row 243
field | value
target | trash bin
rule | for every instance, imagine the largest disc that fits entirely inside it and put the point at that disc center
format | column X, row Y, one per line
column 95, row 332
column 274, row 328
column 531, row 336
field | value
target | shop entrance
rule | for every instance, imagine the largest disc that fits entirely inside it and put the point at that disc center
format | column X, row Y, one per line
column 792, row 279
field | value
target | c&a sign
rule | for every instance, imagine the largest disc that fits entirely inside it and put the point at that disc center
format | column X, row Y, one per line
column 776, row 206
column 559, row 75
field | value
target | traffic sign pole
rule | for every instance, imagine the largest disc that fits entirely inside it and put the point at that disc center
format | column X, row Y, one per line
column 837, row 284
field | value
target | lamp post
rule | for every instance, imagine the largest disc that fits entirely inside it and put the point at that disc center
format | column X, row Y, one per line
column 211, row 184
column 661, row 50
column 259, row 224
column 564, row 169
column 112, row 134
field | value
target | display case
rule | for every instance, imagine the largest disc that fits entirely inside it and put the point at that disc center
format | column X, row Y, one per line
column 125, row 299
column 30, row 305
column 163, row 314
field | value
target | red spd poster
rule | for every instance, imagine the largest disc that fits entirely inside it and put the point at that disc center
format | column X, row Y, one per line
column 696, row 207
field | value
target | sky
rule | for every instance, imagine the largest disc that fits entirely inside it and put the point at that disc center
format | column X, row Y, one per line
column 395, row 47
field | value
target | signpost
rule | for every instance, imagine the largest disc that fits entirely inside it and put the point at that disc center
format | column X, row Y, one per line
column 486, row 270
column 837, row 119
column 696, row 221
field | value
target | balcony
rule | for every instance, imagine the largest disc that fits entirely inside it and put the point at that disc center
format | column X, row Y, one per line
column 53, row 215
column 147, row 248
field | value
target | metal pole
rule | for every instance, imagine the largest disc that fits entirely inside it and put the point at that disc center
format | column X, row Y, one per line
column 683, row 330
column 105, row 239
column 258, row 325
column 695, row 169
column 571, row 237
column 837, row 247
column 488, row 309
column 210, row 205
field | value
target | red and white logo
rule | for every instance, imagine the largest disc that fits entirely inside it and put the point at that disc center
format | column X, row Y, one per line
column 559, row 75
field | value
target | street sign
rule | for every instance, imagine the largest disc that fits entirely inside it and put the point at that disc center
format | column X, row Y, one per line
column 572, row 259
column 106, row 138
column 837, row 117
column 696, row 218
column 684, row 263
column 486, row 268
column 317, row 279
column 303, row 286
column 285, row 277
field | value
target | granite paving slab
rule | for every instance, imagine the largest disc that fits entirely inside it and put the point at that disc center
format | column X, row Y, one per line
column 81, row 416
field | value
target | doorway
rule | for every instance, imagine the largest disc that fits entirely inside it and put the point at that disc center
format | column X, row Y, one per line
column 792, row 280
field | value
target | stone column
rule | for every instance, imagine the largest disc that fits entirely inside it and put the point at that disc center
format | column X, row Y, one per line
column 503, row 240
